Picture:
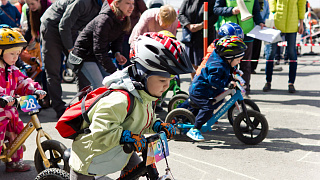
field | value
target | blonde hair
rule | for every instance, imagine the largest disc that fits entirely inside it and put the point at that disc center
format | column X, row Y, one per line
column 167, row 14
column 119, row 13
column 11, row 50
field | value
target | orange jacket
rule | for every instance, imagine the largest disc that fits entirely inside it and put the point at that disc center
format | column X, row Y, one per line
column 210, row 49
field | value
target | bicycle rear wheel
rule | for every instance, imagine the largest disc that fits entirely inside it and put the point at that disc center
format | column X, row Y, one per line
column 180, row 115
column 249, row 135
column 176, row 100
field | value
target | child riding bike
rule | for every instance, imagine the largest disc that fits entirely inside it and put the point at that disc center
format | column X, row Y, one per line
column 12, row 83
column 212, row 80
column 227, row 29
column 157, row 59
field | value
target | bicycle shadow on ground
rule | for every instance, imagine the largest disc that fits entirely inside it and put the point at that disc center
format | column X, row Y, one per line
column 223, row 137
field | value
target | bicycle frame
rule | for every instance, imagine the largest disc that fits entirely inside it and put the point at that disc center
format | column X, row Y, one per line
column 236, row 95
column 33, row 124
column 141, row 169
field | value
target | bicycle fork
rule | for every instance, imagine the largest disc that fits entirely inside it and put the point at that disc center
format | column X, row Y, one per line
column 248, row 121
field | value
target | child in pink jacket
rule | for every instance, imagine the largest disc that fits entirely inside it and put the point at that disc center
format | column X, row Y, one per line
column 12, row 83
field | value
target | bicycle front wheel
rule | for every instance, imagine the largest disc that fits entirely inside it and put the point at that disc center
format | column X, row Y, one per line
column 54, row 151
column 233, row 112
column 247, row 134
column 182, row 116
column 53, row 174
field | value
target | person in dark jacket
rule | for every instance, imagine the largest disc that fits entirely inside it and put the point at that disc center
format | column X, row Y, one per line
column 139, row 8
column 104, row 33
column 191, row 17
column 58, row 31
column 9, row 14
column 230, row 12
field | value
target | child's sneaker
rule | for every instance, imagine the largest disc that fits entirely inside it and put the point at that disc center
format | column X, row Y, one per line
column 17, row 167
column 195, row 134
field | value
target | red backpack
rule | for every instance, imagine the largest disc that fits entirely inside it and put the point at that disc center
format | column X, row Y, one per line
column 69, row 124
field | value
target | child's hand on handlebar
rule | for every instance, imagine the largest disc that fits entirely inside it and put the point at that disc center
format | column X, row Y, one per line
column 10, row 100
column 139, row 141
column 41, row 93
column 232, row 84
column 168, row 128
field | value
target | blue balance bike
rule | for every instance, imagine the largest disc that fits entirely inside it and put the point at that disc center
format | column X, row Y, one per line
column 249, row 126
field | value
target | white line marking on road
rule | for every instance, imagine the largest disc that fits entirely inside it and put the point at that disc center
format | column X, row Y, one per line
column 216, row 166
column 204, row 172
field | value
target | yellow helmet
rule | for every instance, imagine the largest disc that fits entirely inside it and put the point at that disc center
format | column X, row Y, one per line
column 10, row 38
column 167, row 33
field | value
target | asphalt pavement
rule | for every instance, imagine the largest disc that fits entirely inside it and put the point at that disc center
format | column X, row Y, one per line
column 290, row 151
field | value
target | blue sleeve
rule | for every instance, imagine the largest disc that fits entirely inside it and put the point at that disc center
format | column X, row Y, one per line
column 221, row 9
column 256, row 13
column 216, row 77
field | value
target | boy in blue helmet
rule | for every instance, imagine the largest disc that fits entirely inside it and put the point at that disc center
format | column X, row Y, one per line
column 212, row 80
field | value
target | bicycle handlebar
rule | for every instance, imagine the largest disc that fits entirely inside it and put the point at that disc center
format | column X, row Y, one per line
column 3, row 102
column 129, row 147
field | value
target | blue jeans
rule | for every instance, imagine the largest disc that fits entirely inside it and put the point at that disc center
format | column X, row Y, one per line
column 94, row 72
column 292, row 54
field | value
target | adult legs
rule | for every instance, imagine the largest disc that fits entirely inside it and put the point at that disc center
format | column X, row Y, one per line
column 269, row 64
column 51, row 49
column 245, row 66
column 93, row 73
column 255, row 54
column 292, row 54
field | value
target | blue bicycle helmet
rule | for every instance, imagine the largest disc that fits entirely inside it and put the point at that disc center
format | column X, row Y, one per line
column 231, row 29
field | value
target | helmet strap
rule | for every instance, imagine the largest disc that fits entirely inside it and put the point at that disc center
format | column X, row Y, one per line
column 6, row 65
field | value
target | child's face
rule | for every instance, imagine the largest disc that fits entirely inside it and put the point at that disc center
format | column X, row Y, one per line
column 236, row 61
column 157, row 85
column 11, row 57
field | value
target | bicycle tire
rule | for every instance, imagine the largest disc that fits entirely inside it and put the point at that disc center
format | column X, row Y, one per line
column 251, row 136
column 233, row 111
column 180, row 115
column 53, row 174
column 50, row 145
column 176, row 100
column 68, row 75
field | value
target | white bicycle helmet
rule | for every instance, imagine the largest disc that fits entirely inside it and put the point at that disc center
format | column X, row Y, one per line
column 159, row 53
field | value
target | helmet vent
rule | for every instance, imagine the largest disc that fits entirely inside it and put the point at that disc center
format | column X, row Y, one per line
column 153, row 49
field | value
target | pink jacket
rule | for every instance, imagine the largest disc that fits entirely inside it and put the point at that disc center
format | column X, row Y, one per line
column 17, row 84
column 149, row 22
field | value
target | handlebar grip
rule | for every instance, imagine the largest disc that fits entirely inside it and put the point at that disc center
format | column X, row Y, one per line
column 3, row 103
column 128, row 148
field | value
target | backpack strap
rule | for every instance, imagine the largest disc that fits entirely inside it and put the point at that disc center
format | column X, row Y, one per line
column 83, row 107
column 85, row 111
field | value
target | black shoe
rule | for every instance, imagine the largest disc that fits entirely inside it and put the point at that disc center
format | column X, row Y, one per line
column 267, row 87
column 291, row 89
column 60, row 113
column 253, row 72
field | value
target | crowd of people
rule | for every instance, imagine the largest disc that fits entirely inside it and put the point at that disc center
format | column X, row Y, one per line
column 99, row 38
